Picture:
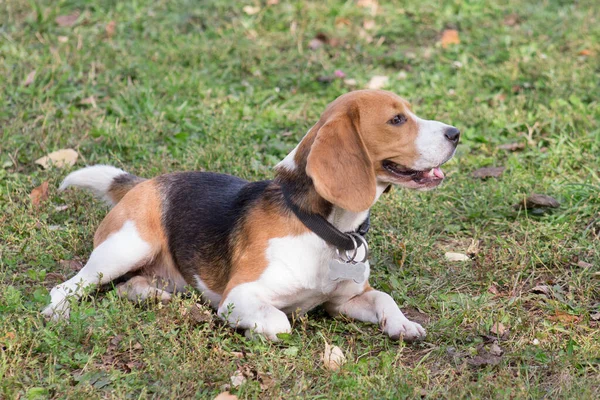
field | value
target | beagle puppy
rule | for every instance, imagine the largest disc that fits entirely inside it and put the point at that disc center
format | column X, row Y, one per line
column 252, row 248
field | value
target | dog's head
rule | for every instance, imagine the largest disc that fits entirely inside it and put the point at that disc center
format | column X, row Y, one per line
column 370, row 137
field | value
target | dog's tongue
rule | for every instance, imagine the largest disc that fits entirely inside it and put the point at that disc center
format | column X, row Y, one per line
column 437, row 171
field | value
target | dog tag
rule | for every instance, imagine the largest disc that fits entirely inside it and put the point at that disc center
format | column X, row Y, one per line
column 341, row 270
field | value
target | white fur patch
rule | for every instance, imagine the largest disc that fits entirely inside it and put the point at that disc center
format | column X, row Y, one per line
column 434, row 148
column 97, row 178
column 288, row 162
column 212, row 297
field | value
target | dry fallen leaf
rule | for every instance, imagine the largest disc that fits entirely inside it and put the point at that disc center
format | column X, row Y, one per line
column 67, row 20
column 197, row 315
column 450, row 256
column 596, row 316
column 39, row 194
column 483, row 360
column 537, row 200
column 565, row 318
column 449, row 36
column 333, row 357
column 493, row 290
column 542, row 289
column 496, row 350
column 487, row 172
column 584, row 264
column 512, row 146
column 58, row 158
column 237, row 378
column 73, row 265
column 511, row 19
column 473, row 248
column 226, row 396
column 251, row 10
column 378, row 82
column 29, row 79
column 110, row 28
column 272, row 2
column 585, row 52
column 498, row 329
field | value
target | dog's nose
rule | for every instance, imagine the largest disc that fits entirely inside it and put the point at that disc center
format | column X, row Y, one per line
column 452, row 134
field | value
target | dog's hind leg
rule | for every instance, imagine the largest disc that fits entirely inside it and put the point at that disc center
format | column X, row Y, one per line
column 121, row 252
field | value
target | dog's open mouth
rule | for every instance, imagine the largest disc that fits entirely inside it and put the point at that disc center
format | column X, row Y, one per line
column 433, row 176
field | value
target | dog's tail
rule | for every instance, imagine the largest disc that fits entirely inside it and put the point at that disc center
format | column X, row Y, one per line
column 106, row 182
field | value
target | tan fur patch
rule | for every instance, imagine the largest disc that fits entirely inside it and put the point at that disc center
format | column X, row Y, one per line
column 263, row 223
column 142, row 205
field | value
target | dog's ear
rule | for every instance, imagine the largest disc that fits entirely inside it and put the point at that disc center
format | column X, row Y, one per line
column 340, row 166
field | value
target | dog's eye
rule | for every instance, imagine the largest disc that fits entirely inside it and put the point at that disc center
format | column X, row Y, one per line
column 397, row 120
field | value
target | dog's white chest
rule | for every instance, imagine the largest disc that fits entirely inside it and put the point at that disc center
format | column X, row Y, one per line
column 298, row 278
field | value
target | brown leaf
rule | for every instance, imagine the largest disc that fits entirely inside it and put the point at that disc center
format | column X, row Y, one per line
column 58, row 158
column 333, row 357
column 55, row 277
column 29, row 79
column 110, row 28
column 73, row 265
column 226, row 396
column 496, row 350
column 487, row 172
column 585, row 52
column 341, row 22
column 584, row 264
column 237, row 378
column 39, row 194
column 542, row 289
column 67, row 20
column 498, row 329
column 449, row 36
column 224, row 353
column 199, row 316
column 595, row 317
column 512, row 146
column 537, row 200
column 565, row 318
column 265, row 381
column 272, row 2
column 483, row 360
column 493, row 290
column 511, row 19
column 473, row 248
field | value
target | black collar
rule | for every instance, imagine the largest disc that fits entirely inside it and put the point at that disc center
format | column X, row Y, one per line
column 324, row 229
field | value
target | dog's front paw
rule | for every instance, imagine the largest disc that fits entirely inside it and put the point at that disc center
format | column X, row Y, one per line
column 59, row 305
column 57, row 312
column 403, row 329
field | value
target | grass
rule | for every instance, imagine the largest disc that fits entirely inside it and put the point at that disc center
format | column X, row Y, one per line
column 184, row 85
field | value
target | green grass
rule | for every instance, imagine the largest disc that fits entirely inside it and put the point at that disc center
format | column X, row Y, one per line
column 184, row 85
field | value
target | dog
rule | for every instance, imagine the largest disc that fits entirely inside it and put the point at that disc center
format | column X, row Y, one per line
column 259, row 252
